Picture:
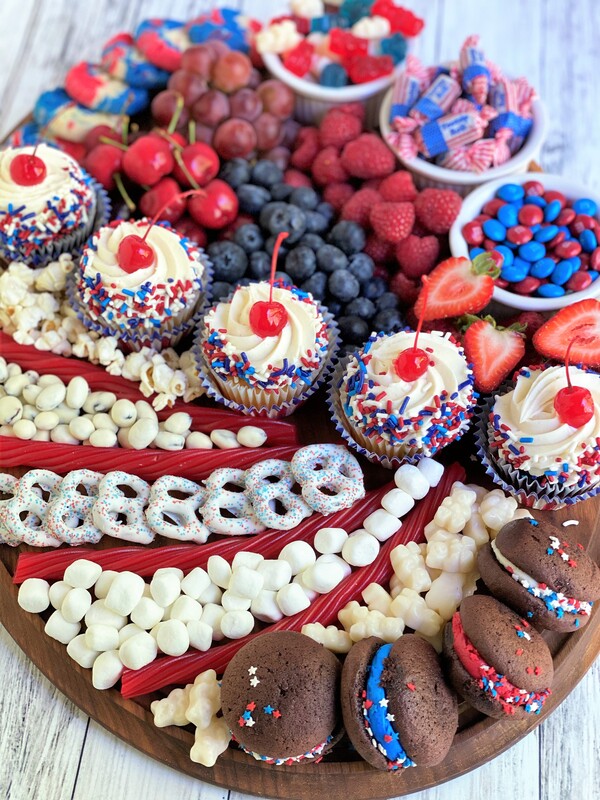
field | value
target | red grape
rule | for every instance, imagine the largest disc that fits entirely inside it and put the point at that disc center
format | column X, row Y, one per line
column 268, row 131
column 245, row 104
column 204, row 134
column 218, row 48
column 164, row 106
column 189, row 85
column 211, row 108
column 254, row 79
column 276, row 98
column 235, row 138
column 199, row 59
column 231, row 72
column 290, row 130
column 280, row 155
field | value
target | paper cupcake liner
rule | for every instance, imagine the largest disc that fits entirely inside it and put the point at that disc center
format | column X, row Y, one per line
column 245, row 399
column 523, row 487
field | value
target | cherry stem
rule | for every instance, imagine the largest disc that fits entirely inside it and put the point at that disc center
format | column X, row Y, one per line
column 176, row 114
column 567, row 355
column 425, row 292
column 180, row 196
column 192, row 131
column 123, row 191
column 37, row 144
column 179, row 159
column 169, row 138
column 280, row 237
column 113, row 142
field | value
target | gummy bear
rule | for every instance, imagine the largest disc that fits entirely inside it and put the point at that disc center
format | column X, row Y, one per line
column 394, row 46
column 346, row 44
column 401, row 19
column 363, row 69
column 299, row 58
column 354, row 10
column 333, row 75
column 327, row 22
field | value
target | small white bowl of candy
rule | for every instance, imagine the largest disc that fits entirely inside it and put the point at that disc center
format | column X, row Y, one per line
column 461, row 124
column 332, row 58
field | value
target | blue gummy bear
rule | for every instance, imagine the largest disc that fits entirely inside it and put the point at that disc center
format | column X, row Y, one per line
column 333, row 75
column 354, row 10
column 395, row 46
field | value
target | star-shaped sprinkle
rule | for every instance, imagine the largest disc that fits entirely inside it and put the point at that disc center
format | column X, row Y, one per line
column 251, row 706
column 277, row 713
column 411, row 686
column 251, row 670
column 268, row 709
column 384, row 702
column 390, row 717
column 250, row 722
column 254, row 681
column 247, row 715
column 241, row 722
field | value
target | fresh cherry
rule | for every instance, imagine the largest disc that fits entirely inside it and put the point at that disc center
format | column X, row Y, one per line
column 197, row 162
column 148, row 160
column 268, row 317
column 27, row 169
column 216, row 207
column 573, row 404
column 190, row 230
column 164, row 196
column 413, row 362
column 94, row 136
column 102, row 162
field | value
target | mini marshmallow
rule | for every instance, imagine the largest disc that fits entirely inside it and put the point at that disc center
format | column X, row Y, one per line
column 333, row 558
column 275, row 572
column 78, row 650
column 128, row 631
column 76, row 604
column 200, row 633
column 82, row 574
column 185, row 609
column 245, row 582
column 34, row 595
column 409, row 567
column 212, row 614
column 310, row 593
column 219, row 571
column 212, row 594
column 412, row 481
column 210, row 742
column 291, row 599
column 102, row 638
column 264, row 606
column 330, row 540
column 397, row 502
column 361, row 548
column 300, row 555
column 195, row 582
column 233, row 602
column 107, row 670
column 125, row 592
column 139, row 650
column 431, row 470
column 147, row 613
column 172, row 637
column 170, row 710
column 246, row 559
column 411, row 607
column 330, row 637
column 103, row 583
column 57, row 593
column 376, row 598
column 165, row 587
column 323, row 576
column 381, row 524
column 58, row 628
column 100, row 614
column 237, row 624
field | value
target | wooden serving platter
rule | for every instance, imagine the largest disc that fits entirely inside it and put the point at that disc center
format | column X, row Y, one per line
column 342, row 774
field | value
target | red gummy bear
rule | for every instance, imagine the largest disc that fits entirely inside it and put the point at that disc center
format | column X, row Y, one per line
column 299, row 58
column 401, row 19
column 346, row 44
column 363, row 69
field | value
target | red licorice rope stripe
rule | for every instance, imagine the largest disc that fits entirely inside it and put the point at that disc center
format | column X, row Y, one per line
column 169, row 670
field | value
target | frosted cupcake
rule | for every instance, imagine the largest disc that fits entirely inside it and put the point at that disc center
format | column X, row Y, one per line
column 140, row 282
column 396, row 400
column 48, row 204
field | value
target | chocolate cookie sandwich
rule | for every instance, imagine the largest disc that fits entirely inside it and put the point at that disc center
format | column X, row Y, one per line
column 550, row 581
column 397, row 709
column 279, row 696
column 497, row 661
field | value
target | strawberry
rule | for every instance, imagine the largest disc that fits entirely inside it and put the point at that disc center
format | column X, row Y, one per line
column 417, row 256
column 327, row 167
column 381, row 252
column 337, row 194
column 436, row 209
column 406, row 289
column 579, row 322
column 398, row 187
column 338, row 128
column 530, row 320
column 392, row 222
column 494, row 352
column 368, row 156
column 357, row 208
column 307, row 148
column 458, row 286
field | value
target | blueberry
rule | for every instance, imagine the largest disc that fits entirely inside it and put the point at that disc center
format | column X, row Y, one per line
column 235, row 172
column 386, row 300
column 283, row 276
column 334, row 307
column 330, row 258
column 348, row 236
column 316, row 285
column 305, row 197
column 249, row 237
column 388, row 321
column 252, row 198
column 270, row 246
column 362, row 266
column 374, row 288
column 266, row 173
column 353, row 329
column 260, row 265
column 228, row 259
column 278, row 216
column 312, row 240
column 315, row 222
column 300, row 263
column 361, row 307
column 243, row 282
column 343, row 285
column 327, row 210
column 280, row 191
column 220, row 290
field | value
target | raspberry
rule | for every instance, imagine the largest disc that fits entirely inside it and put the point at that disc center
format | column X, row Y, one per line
column 307, row 147
column 398, row 187
column 381, row 252
column 294, row 177
column 417, row 256
column 356, row 109
column 357, row 208
column 392, row 222
column 406, row 290
column 368, row 157
column 337, row 194
column 339, row 128
column 436, row 209
column 328, row 168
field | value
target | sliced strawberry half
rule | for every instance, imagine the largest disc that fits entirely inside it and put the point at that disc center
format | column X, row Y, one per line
column 458, row 286
column 494, row 352
column 579, row 322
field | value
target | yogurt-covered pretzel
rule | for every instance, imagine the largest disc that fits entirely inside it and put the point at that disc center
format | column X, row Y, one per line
column 176, row 517
column 330, row 467
column 244, row 521
column 69, row 514
column 119, row 509
column 8, row 485
column 265, row 493
column 23, row 516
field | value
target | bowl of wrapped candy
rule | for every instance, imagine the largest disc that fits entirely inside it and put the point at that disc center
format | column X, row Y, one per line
column 461, row 124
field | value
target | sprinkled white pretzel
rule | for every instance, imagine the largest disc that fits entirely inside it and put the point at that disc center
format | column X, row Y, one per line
column 264, row 494
column 24, row 515
column 221, row 499
column 69, row 514
column 119, row 509
column 8, row 485
column 177, row 517
column 331, row 467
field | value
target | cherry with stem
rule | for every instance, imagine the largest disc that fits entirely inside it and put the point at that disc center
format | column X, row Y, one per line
column 268, row 317
column 413, row 362
column 573, row 404
column 28, row 169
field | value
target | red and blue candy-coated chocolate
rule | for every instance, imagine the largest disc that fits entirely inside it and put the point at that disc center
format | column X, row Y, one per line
column 162, row 41
column 89, row 85
column 121, row 59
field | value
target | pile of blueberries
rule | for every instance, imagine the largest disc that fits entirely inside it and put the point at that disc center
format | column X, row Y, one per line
column 320, row 256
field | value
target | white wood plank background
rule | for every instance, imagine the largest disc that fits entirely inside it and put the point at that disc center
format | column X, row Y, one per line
column 48, row 749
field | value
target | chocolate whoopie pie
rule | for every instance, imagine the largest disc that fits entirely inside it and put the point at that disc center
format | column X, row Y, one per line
column 550, row 581
column 497, row 661
column 279, row 696
column 397, row 709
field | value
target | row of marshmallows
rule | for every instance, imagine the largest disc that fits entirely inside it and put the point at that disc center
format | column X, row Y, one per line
column 44, row 408
column 34, row 311
column 130, row 621
column 430, row 579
